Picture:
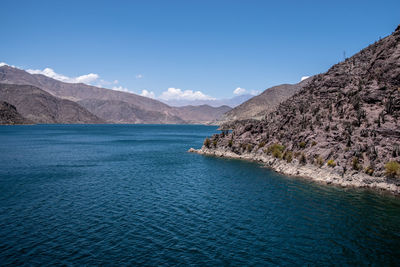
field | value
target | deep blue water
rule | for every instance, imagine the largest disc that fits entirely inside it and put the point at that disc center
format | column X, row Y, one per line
column 131, row 194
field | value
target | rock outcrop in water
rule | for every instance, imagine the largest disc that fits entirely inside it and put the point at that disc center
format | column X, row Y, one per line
column 9, row 115
column 342, row 128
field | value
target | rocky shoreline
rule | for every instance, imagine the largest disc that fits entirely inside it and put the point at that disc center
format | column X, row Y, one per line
column 324, row 174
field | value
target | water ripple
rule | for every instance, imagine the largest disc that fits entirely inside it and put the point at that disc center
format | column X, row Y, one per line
column 130, row 195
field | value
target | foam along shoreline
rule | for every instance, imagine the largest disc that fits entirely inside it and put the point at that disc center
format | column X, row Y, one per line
column 324, row 174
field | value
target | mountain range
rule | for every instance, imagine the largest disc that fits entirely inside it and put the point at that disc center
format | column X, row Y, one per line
column 230, row 102
column 103, row 105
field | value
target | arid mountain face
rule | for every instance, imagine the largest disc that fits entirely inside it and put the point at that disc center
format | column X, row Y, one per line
column 348, row 116
column 39, row 106
column 10, row 115
column 110, row 105
column 201, row 114
column 116, row 111
column 257, row 107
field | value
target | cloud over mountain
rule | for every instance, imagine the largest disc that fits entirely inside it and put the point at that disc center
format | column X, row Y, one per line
column 87, row 78
column 149, row 94
column 242, row 91
column 178, row 94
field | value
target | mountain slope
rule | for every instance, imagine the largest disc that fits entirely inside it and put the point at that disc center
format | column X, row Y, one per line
column 257, row 107
column 41, row 107
column 10, row 115
column 116, row 111
column 346, row 119
column 201, row 114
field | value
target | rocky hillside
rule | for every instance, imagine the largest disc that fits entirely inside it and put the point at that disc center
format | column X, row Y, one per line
column 346, row 119
column 204, row 114
column 39, row 106
column 110, row 105
column 10, row 115
column 116, row 111
column 257, row 107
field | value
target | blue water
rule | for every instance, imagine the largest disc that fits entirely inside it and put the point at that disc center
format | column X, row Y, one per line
column 131, row 194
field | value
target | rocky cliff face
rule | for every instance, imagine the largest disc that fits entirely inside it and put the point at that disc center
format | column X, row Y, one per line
column 39, row 106
column 346, row 119
column 10, row 115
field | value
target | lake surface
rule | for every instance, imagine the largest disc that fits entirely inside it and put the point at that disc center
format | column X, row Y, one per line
column 131, row 194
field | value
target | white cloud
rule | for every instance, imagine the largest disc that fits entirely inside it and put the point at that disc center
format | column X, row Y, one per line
column 239, row 91
column 178, row 94
column 254, row 92
column 87, row 78
column 242, row 91
column 139, row 76
column 102, row 83
column 148, row 94
column 120, row 88
column 304, row 77
column 90, row 78
column 5, row 64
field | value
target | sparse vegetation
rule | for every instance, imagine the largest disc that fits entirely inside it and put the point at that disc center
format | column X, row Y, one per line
column 288, row 156
column 302, row 145
column 369, row 170
column 319, row 161
column 249, row 148
column 392, row 169
column 276, row 150
column 313, row 143
column 207, row 143
column 303, row 159
column 355, row 164
column 331, row 163
column 230, row 143
column 215, row 142
column 261, row 144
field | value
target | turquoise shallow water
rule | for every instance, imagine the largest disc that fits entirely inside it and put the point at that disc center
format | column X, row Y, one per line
column 131, row 194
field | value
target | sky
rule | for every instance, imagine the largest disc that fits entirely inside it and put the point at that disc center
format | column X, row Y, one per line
column 188, row 49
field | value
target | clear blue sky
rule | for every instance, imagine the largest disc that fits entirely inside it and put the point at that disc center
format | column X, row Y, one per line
column 211, row 46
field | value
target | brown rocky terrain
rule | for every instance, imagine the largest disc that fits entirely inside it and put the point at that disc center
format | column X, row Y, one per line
column 110, row 105
column 39, row 106
column 344, row 122
column 10, row 115
column 258, row 106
